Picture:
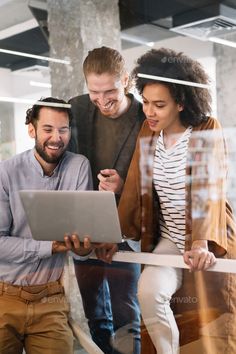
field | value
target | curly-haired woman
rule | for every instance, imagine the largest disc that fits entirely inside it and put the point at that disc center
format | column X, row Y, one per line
column 174, row 201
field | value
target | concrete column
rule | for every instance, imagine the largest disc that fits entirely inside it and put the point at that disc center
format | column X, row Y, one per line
column 7, row 131
column 75, row 27
column 226, row 82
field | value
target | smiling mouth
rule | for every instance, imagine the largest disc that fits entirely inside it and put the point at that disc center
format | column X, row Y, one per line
column 106, row 106
column 54, row 147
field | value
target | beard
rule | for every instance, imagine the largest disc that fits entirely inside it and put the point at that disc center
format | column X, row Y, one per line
column 113, row 108
column 46, row 157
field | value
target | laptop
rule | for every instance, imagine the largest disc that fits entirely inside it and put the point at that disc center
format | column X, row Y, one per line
column 51, row 214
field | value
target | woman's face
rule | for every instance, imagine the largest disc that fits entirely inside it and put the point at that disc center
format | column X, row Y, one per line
column 161, row 111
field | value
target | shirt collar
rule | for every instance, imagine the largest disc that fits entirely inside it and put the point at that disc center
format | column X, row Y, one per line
column 39, row 167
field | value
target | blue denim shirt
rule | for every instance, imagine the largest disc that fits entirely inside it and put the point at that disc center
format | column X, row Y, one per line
column 24, row 261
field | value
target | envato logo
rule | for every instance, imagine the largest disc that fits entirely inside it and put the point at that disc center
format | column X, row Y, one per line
column 184, row 300
column 173, row 60
column 54, row 299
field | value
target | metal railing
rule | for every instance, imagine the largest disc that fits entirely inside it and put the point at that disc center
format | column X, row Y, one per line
column 221, row 265
column 176, row 261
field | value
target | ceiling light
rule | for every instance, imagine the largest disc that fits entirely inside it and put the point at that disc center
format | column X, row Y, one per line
column 32, row 102
column 19, row 28
column 223, row 41
column 134, row 39
column 27, row 55
column 175, row 81
column 40, row 84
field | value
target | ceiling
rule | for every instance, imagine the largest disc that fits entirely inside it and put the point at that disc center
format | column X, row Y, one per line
column 23, row 24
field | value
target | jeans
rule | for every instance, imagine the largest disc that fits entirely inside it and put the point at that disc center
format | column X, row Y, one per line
column 109, row 295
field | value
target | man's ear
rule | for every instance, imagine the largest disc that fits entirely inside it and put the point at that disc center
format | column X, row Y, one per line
column 125, row 79
column 31, row 131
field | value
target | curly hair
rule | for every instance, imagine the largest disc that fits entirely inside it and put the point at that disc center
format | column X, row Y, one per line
column 175, row 65
column 32, row 114
column 105, row 60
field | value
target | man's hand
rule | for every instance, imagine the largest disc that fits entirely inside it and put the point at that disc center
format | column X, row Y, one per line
column 110, row 181
column 105, row 251
column 72, row 243
column 199, row 258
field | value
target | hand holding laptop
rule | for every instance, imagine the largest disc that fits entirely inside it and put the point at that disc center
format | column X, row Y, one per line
column 72, row 243
column 104, row 251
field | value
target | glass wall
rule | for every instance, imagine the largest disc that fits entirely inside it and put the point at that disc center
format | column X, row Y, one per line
column 201, row 228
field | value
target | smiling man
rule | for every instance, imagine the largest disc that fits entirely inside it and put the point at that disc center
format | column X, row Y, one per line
column 51, row 131
column 106, row 91
column 107, row 122
column 33, row 307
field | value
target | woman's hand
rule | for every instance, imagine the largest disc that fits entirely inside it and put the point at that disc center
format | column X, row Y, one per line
column 105, row 251
column 199, row 257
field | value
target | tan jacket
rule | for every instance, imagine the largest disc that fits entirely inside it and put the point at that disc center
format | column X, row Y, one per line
column 211, row 296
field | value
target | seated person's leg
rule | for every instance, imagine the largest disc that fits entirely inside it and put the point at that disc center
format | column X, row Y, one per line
column 12, row 318
column 155, row 289
column 96, row 301
column 49, row 331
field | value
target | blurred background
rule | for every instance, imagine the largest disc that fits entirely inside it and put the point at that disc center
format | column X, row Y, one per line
column 43, row 44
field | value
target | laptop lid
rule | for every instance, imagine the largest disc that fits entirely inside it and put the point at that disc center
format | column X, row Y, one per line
column 51, row 214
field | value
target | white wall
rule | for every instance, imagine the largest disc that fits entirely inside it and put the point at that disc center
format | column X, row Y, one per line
column 6, row 82
column 17, row 85
column 192, row 47
column 200, row 50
